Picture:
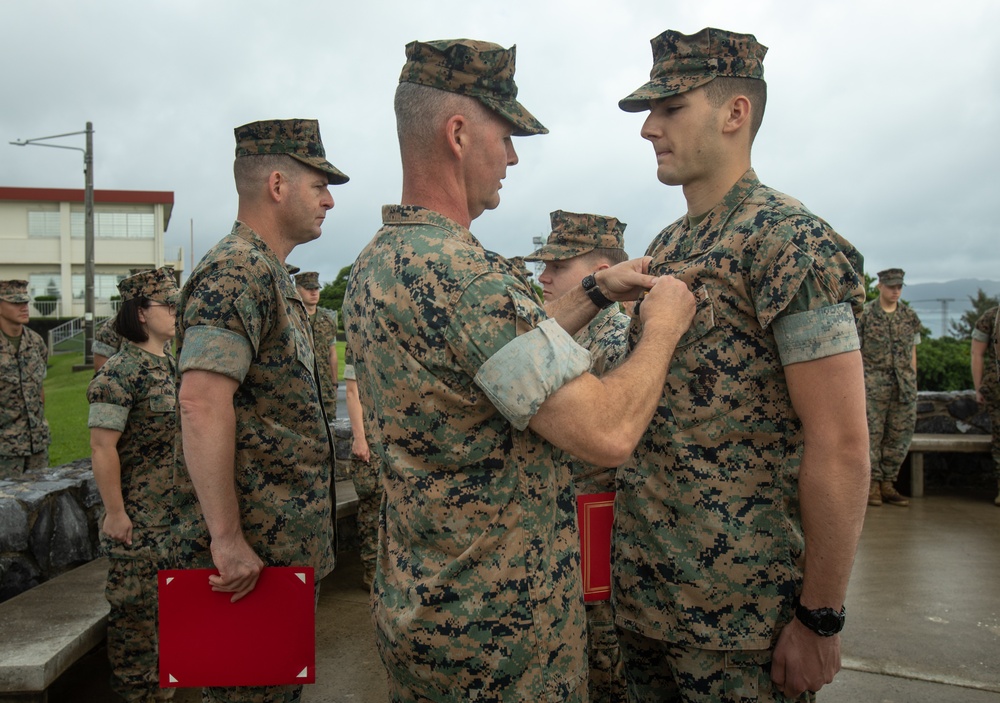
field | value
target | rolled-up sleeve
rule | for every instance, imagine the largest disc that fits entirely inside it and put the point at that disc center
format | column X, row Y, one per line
column 815, row 334
column 530, row 368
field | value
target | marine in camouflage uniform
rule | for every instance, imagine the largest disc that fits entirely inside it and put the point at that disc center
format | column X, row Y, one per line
column 24, row 431
column 324, row 330
column 581, row 244
column 134, row 396
column 723, row 517
column 365, row 469
column 477, row 592
column 986, row 377
column 244, row 332
column 889, row 332
column 106, row 341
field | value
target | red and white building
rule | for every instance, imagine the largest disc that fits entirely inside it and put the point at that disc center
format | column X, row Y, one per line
column 42, row 241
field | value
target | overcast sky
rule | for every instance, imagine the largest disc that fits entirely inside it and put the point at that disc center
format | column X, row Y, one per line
column 882, row 117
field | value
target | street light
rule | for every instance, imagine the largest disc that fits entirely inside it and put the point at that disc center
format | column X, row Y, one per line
column 88, row 207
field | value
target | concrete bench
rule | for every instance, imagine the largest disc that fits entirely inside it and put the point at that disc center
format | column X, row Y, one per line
column 46, row 629
column 923, row 443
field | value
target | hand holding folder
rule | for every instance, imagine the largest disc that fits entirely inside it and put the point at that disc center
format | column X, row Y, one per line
column 267, row 638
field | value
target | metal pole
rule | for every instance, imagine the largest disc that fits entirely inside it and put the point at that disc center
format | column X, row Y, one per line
column 88, row 205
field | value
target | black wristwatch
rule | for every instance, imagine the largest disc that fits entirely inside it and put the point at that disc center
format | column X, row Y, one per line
column 825, row 622
column 598, row 298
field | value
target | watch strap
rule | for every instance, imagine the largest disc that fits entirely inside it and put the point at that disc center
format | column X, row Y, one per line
column 825, row 622
column 598, row 298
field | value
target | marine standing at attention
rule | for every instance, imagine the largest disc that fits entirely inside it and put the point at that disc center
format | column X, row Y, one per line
column 474, row 384
column 889, row 332
column 254, row 487
column 738, row 516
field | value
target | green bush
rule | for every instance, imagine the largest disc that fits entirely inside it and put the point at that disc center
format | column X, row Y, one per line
column 943, row 364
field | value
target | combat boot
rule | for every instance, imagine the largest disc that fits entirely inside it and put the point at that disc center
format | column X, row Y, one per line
column 996, row 501
column 891, row 496
column 874, row 494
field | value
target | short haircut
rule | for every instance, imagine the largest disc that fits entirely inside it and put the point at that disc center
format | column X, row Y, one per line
column 250, row 171
column 420, row 110
column 610, row 255
column 127, row 323
column 721, row 89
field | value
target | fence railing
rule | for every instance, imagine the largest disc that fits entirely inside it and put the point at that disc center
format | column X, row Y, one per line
column 64, row 337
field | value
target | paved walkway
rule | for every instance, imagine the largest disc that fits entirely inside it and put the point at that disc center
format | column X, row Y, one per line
column 923, row 615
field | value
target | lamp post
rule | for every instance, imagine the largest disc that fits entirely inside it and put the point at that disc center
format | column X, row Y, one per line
column 88, row 209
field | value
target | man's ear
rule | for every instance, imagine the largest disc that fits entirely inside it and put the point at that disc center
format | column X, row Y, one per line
column 457, row 134
column 740, row 109
column 277, row 183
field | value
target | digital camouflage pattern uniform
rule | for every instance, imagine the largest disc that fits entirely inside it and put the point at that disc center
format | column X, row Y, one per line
column 24, row 431
column 887, row 344
column 708, row 538
column 240, row 315
column 367, row 480
column 324, row 331
column 135, row 393
column 106, row 340
column 708, row 535
column 987, row 330
column 606, row 338
column 477, row 593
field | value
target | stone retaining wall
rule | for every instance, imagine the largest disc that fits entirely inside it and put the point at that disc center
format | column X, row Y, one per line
column 955, row 412
column 49, row 520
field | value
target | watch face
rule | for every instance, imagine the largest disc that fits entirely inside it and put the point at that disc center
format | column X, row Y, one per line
column 828, row 622
column 825, row 622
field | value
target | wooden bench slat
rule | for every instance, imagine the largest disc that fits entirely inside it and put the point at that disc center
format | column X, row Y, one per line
column 966, row 443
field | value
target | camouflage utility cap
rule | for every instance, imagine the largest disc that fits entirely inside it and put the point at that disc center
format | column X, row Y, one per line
column 292, row 269
column 308, row 280
column 891, row 277
column 296, row 138
column 574, row 234
column 157, row 284
column 479, row 69
column 682, row 62
column 14, row 291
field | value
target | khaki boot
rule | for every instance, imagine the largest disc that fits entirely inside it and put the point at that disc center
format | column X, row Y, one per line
column 874, row 494
column 891, row 496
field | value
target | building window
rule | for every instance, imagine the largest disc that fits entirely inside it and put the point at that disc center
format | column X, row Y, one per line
column 105, row 285
column 43, row 223
column 114, row 225
column 43, row 284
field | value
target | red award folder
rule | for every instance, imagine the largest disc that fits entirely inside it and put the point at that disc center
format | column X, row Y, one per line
column 267, row 638
column 595, row 515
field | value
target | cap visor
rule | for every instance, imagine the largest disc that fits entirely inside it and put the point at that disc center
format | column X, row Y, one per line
column 334, row 175
column 525, row 124
column 661, row 88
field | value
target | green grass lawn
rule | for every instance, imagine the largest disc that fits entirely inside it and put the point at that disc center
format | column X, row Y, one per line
column 66, row 406
column 66, row 409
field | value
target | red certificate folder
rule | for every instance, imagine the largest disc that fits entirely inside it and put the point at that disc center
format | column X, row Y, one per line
column 267, row 638
column 595, row 515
